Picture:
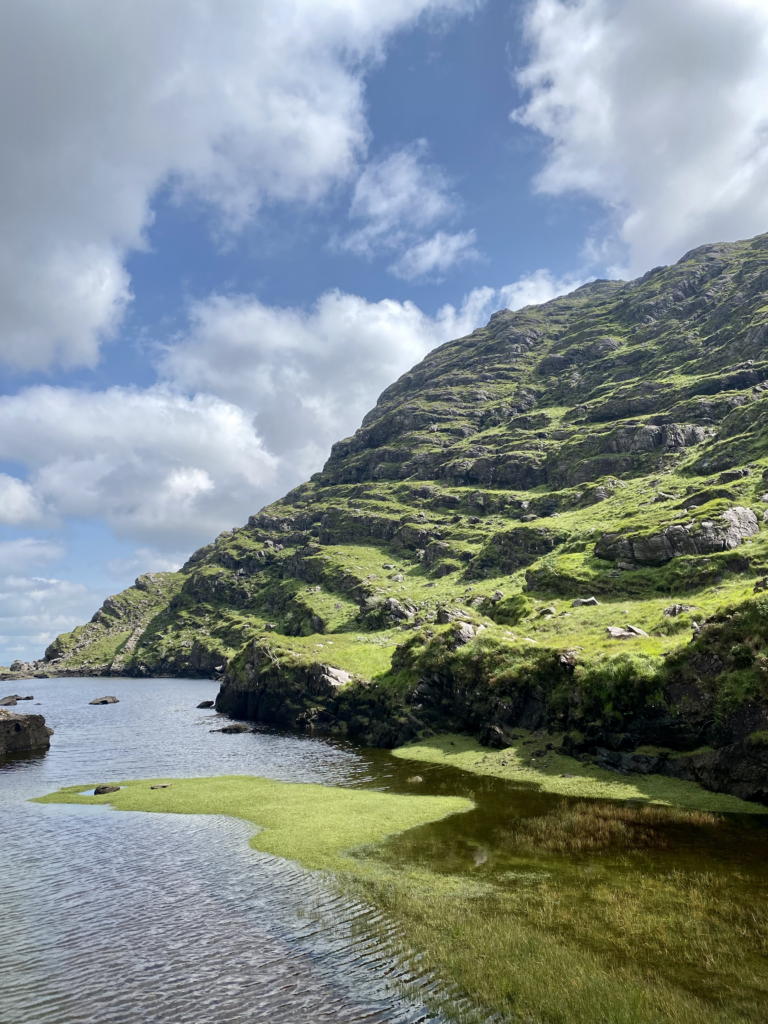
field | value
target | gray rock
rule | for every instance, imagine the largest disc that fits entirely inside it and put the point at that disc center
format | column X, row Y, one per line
column 584, row 602
column 463, row 633
column 625, row 633
column 396, row 610
column 101, row 790
column 234, row 727
column 678, row 609
column 335, row 677
column 104, row 700
column 725, row 533
column 205, row 704
column 22, row 732
column 163, row 785
column 8, row 702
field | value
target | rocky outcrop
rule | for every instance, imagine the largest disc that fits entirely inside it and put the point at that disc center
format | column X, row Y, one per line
column 725, row 533
column 19, row 733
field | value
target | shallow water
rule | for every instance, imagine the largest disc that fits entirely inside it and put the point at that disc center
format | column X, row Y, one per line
column 121, row 917
column 111, row 917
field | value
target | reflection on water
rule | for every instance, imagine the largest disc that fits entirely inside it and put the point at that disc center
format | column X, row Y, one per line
column 124, row 917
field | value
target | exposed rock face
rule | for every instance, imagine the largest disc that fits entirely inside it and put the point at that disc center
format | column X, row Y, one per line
column 725, row 533
column 22, row 732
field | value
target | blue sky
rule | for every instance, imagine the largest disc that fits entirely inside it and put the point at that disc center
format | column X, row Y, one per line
column 229, row 225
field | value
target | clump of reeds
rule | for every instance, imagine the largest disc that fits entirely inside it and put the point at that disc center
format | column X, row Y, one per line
column 587, row 827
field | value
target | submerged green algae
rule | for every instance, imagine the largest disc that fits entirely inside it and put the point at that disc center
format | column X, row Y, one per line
column 314, row 825
column 525, row 763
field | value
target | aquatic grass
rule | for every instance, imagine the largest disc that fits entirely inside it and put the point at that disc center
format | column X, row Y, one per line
column 529, row 765
column 596, row 827
column 314, row 825
column 572, row 950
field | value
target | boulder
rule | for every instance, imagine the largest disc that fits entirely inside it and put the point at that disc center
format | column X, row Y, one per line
column 8, row 702
column 205, row 704
column 673, row 610
column 463, row 633
column 584, row 602
column 725, row 533
column 334, row 677
column 22, row 732
column 624, row 633
column 104, row 700
column 101, row 790
column 234, row 727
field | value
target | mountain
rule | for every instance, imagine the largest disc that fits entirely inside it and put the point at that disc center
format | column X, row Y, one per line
column 555, row 523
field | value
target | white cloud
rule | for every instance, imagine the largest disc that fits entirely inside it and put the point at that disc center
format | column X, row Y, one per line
column 254, row 397
column 143, row 560
column 22, row 554
column 397, row 197
column 436, row 254
column 660, row 110
column 540, row 286
column 400, row 199
column 34, row 610
column 234, row 101
column 155, row 464
column 18, row 503
column 308, row 378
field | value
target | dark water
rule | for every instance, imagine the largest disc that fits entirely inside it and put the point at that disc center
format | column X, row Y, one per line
column 128, row 917
column 135, row 917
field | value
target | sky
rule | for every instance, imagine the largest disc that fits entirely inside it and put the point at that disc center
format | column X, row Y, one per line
column 228, row 225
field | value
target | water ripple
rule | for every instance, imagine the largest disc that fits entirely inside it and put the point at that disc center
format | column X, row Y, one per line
column 114, row 918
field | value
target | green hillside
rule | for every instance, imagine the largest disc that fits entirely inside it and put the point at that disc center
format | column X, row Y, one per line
column 609, row 445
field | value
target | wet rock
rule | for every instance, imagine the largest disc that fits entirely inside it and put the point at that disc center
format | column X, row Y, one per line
column 205, row 704
column 101, row 790
column 9, row 702
column 584, row 602
column 22, row 732
column 104, row 700
column 233, row 727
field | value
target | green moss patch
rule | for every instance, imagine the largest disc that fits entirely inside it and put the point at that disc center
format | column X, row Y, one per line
column 314, row 825
column 556, row 773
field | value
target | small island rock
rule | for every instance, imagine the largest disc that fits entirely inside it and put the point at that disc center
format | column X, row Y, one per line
column 22, row 732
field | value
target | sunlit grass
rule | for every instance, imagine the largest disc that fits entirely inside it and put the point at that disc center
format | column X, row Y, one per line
column 528, row 764
column 299, row 821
